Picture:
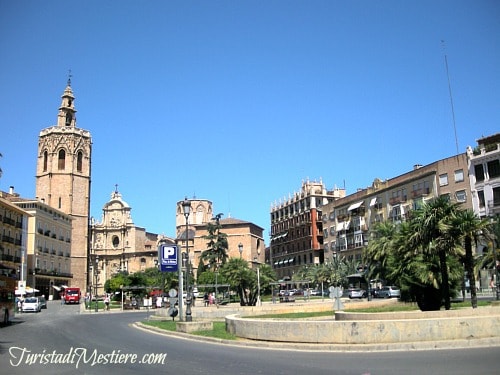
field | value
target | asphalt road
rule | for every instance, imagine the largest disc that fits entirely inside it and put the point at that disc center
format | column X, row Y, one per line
column 59, row 340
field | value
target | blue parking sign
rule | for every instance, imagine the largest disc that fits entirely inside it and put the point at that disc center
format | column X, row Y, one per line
column 167, row 255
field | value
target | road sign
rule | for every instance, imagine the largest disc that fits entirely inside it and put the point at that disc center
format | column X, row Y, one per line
column 167, row 258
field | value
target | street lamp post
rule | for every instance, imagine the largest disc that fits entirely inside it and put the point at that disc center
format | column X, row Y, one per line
column 240, row 249
column 96, row 280
column 497, row 262
column 496, row 235
column 186, row 207
column 256, row 261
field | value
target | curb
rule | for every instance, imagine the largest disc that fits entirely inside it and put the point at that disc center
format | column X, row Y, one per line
column 395, row 347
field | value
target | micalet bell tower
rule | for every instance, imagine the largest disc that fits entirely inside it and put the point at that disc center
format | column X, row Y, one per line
column 63, row 179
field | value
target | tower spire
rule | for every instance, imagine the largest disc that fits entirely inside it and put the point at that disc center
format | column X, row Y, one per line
column 67, row 112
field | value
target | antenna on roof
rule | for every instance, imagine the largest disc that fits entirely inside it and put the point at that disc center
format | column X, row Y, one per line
column 451, row 96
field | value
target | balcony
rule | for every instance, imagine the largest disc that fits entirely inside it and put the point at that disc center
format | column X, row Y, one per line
column 39, row 271
column 420, row 192
column 7, row 257
column 493, row 207
column 8, row 239
column 397, row 200
column 9, row 221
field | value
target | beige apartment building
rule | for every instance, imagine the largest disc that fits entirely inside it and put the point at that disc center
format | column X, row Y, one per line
column 46, row 244
column 347, row 221
column 13, row 233
column 484, row 174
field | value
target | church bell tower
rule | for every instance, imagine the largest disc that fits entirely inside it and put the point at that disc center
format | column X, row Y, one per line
column 63, row 180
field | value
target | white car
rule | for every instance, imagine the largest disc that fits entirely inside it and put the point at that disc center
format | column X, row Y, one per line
column 357, row 293
column 31, row 304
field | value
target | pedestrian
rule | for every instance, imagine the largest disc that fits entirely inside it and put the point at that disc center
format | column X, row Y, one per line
column 20, row 305
column 205, row 299
column 106, row 302
column 158, row 302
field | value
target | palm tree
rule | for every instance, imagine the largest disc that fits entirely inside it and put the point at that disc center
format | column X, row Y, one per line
column 469, row 228
column 377, row 253
column 237, row 273
column 430, row 233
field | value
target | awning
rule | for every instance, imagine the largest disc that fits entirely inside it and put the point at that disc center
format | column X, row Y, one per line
column 340, row 226
column 373, row 202
column 26, row 291
column 354, row 206
column 56, row 288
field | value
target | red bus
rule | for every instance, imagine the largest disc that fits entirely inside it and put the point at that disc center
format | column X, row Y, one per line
column 7, row 299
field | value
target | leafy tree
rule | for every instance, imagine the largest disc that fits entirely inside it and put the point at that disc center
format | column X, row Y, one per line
column 241, row 279
column 217, row 245
column 116, row 282
column 267, row 276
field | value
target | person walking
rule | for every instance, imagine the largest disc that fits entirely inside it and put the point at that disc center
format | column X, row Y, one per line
column 106, row 302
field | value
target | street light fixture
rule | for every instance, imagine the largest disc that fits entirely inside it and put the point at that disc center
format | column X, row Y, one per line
column 496, row 234
column 186, row 207
column 240, row 249
column 256, row 261
column 96, row 280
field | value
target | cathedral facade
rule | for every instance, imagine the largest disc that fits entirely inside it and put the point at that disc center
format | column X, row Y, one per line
column 118, row 245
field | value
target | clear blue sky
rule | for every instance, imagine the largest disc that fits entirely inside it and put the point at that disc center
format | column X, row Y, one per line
column 239, row 101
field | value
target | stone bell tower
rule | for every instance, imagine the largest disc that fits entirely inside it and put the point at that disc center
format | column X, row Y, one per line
column 63, row 179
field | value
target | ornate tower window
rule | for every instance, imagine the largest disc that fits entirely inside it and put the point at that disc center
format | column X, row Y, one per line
column 61, row 160
column 69, row 117
column 116, row 241
column 79, row 160
column 45, row 158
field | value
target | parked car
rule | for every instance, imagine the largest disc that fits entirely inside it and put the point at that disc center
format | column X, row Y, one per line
column 43, row 302
column 315, row 292
column 357, row 293
column 389, row 292
column 31, row 304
